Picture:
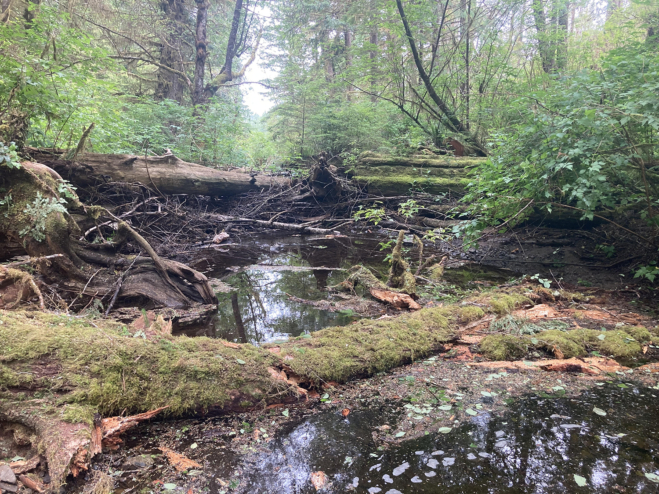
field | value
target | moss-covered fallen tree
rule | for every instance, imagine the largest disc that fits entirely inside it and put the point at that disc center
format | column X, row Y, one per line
column 624, row 342
column 395, row 175
column 57, row 372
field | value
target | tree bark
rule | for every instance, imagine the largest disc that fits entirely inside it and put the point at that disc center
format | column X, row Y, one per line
column 200, row 51
column 169, row 84
column 165, row 174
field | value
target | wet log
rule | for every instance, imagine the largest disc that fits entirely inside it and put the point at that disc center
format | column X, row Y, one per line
column 165, row 174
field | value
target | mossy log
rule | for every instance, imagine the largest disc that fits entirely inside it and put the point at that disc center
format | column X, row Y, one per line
column 624, row 343
column 394, row 175
column 166, row 174
column 70, row 368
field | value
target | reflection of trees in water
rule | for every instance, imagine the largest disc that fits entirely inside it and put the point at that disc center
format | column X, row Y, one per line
column 261, row 310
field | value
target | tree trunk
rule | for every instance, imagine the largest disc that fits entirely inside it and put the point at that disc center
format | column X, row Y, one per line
column 452, row 121
column 200, row 50
column 544, row 35
column 169, row 84
column 165, row 174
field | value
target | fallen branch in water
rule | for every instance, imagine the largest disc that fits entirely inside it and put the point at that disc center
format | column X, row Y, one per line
column 273, row 224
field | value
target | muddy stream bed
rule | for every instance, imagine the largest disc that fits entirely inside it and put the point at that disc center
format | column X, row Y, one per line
column 435, row 425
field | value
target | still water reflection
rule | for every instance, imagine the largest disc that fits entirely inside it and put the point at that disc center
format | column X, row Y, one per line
column 537, row 447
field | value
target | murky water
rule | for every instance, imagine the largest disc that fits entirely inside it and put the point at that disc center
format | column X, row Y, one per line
column 270, row 276
column 539, row 446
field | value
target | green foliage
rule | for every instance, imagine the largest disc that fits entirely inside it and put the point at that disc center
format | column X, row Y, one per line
column 649, row 272
column 373, row 215
column 409, row 208
column 589, row 141
column 9, row 156
column 38, row 212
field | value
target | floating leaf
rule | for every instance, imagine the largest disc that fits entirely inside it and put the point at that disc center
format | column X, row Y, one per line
column 652, row 477
column 469, row 411
column 445, row 430
column 581, row 481
column 241, row 362
column 599, row 411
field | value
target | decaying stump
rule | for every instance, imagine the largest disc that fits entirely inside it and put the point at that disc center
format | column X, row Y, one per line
column 400, row 276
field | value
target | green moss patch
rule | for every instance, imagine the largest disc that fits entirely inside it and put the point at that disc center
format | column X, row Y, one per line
column 505, row 347
column 112, row 372
column 622, row 343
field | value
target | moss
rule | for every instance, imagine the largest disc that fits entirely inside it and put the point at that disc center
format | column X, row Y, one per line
column 372, row 159
column 504, row 346
column 576, row 343
column 504, row 303
column 75, row 413
column 568, row 343
column 101, row 368
column 369, row 347
column 403, row 183
column 436, row 271
column 639, row 333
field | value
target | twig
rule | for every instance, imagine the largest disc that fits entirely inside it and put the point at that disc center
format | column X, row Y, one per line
column 85, row 288
column 120, row 282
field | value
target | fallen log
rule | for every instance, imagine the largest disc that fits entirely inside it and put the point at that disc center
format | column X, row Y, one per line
column 271, row 224
column 396, row 175
column 165, row 174
column 57, row 372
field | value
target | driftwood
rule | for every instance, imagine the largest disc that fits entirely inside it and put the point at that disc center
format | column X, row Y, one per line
column 271, row 224
column 165, row 174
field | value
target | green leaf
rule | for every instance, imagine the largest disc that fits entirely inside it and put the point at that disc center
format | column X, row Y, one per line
column 445, row 430
column 581, row 481
column 285, row 413
column 400, row 434
column 469, row 411
column 241, row 362
column 599, row 411
column 169, row 487
column 445, row 407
